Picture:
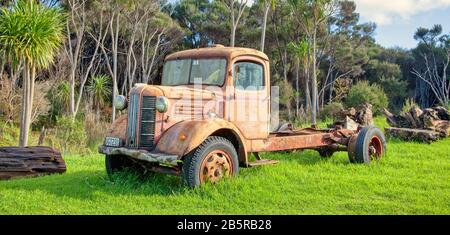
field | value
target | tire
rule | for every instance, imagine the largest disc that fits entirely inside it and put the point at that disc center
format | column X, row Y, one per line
column 119, row 163
column 370, row 145
column 214, row 159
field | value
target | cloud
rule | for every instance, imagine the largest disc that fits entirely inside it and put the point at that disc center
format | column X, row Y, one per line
column 385, row 12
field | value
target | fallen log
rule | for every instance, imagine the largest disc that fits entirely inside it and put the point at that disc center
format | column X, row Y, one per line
column 426, row 136
column 396, row 120
column 30, row 161
column 443, row 127
column 351, row 118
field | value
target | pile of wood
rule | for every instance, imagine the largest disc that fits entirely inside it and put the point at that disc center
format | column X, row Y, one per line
column 30, row 161
column 425, row 125
column 353, row 117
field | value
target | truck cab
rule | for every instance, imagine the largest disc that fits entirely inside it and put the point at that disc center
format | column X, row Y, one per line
column 213, row 108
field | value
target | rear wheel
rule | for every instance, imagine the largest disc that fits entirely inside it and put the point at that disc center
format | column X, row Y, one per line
column 369, row 145
column 215, row 159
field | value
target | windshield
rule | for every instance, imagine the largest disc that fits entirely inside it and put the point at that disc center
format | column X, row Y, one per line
column 194, row 71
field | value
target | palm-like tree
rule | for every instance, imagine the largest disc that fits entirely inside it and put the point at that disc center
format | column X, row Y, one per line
column 100, row 89
column 62, row 95
column 30, row 32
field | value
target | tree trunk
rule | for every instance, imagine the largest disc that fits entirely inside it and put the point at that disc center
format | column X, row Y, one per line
column 233, row 28
column 153, row 58
column 314, row 81
column 72, row 94
column 115, row 48
column 297, row 87
column 307, row 89
column 25, row 112
column 31, row 161
column 233, row 35
column 264, row 26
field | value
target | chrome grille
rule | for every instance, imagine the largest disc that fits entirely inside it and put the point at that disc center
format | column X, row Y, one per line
column 132, row 121
column 148, row 116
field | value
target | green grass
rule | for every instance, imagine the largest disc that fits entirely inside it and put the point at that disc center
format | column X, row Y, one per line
column 412, row 179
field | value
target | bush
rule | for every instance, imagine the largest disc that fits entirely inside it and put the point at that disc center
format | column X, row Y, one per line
column 409, row 103
column 396, row 90
column 331, row 110
column 9, row 100
column 362, row 93
column 96, row 130
column 69, row 135
column 286, row 97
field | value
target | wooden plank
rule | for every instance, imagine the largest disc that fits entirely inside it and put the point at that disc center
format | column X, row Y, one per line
column 30, row 161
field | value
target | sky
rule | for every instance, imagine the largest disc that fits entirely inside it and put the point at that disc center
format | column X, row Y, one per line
column 398, row 20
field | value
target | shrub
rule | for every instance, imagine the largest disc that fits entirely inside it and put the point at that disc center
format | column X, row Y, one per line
column 96, row 130
column 362, row 93
column 9, row 99
column 41, row 105
column 396, row 90
column 409, row 103
column 68, row 135
column 331, row 110
column 286, row 97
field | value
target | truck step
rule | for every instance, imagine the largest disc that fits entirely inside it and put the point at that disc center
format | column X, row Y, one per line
column 262, row 162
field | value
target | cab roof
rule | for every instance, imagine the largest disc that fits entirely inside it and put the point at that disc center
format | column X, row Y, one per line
column 217, row 51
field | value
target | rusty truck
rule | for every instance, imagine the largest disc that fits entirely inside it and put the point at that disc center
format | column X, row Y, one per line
column 214, row 110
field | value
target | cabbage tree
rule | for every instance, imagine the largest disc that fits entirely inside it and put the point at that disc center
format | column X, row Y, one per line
column 33, row 33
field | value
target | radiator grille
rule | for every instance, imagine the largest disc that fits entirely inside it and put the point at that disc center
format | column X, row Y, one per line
column 132, row 121
column 148, row 116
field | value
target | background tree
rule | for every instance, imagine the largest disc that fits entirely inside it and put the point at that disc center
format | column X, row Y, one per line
column 99, row 89
column 312, row 16
column 236, row 9
column 433, row 58
column 33, row 33
column 268, row 4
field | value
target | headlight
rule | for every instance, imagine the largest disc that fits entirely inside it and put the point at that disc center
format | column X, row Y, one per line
column 121, row 102
column 162, row 104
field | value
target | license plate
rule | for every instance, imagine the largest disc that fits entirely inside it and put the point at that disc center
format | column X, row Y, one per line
column 112, row 141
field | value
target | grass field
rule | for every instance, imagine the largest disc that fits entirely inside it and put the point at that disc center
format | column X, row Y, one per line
column 412, row 179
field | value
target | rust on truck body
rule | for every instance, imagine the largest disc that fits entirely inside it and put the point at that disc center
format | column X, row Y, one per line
column 307, row 138
column 216, row 52
column 195, row 113
column 185, row 136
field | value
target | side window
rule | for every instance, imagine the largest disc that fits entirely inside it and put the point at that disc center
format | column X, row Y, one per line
column 248, row 76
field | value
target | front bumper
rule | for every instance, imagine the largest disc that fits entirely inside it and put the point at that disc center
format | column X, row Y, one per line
column 154, row 157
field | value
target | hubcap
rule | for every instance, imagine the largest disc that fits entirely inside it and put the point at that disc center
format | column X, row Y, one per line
column 375, row 148
column 215, row 166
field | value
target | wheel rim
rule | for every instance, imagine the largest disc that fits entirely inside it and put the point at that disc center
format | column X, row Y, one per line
column 375, row 148
column 215, row 166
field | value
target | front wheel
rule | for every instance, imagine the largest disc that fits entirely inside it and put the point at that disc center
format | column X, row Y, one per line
column 215, row 159
column 369, row 145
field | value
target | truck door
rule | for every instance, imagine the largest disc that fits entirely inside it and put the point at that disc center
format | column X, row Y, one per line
column 251, row 98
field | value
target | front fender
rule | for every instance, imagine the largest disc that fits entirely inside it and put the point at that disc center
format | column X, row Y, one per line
column 185, row 136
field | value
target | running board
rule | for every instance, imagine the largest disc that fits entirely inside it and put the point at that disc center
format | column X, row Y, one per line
column 262, row 162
